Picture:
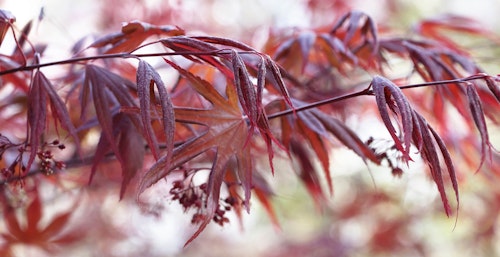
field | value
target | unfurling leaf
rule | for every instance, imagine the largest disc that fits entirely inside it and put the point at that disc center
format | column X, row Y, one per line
column 245, row 88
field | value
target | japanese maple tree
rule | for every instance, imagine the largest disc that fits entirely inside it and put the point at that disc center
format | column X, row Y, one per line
column 152, row 102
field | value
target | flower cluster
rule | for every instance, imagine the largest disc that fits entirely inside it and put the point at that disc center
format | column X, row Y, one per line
column 191, row 196
column 17, row 167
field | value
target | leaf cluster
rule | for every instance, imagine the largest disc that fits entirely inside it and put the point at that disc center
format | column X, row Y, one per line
column 231, row 104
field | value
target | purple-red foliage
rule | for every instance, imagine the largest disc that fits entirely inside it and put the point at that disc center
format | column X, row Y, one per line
column 231, row 104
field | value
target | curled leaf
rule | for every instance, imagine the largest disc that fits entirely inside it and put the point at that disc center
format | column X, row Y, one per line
column 146, row 78
column 388, row 94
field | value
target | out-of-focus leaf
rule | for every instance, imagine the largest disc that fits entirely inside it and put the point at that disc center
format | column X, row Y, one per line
column 109, row 93
column 32, row 232
column 130, row 155
column 37, row 114
column 133, row 34
column 476, row 110
column 6, row 21
column 103, row 102
column 436, row 29
column 361, row 31
column 12, row 223
column 58, row 109
column 34, row 214
column 131, row 152
column 336, row 51
column 295, row 52
column 347, row 137
column 306, row 172
column 225, row 42
column 263, row 193
column 188, row 44
column 314, row 128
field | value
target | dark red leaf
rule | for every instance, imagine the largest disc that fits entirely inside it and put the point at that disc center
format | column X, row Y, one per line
column 225, row 42
column 493, row 86
column 57, row 225
column 347, row 137
column 132, row 35
column 436, row 29
column 6, row 21
column 385, row 91
column 37, row 112
column 358, row 22
column 336, row 51
column 306, row 41
column 245, row 88
column 278, row 80
column 146, row 78
column 263, row 193
column 59, row 110
column 225, row 134
column 188, row 44
column 448, row 162
column 307, row 173
column 431, row 157
column 109, row 94
column 132, row 153
column 476, row 110
column 12, row 223
column 97, row 80
column 33, row 215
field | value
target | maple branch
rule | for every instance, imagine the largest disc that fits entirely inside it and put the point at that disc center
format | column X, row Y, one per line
column 368, row 91
column 113, row 56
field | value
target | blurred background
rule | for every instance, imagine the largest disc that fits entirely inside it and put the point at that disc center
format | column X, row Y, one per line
column 371, row 213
